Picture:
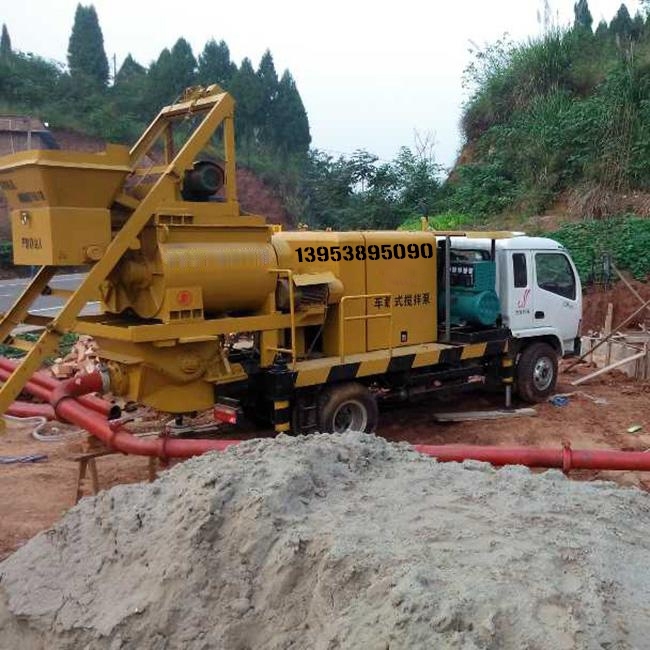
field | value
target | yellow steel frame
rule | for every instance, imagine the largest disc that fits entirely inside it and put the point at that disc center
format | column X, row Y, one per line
column 217, row 107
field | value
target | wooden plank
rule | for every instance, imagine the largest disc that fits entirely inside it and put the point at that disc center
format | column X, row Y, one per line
column 608, row 330
column 628, row 285
column 464, row 416
column 611, row 366
column 608, row 319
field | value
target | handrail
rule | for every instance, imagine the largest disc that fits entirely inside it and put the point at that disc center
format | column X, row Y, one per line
column 292, row 319
column 366, row 317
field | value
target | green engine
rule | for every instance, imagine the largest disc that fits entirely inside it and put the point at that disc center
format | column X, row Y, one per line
column 473, row 298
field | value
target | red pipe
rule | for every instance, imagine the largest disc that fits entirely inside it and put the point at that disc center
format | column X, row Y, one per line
column 43, row 379
column 121, row 440
column 31, row 410
column 65, row 400
column 565, row 458
column 32, row 387
column 78, row 386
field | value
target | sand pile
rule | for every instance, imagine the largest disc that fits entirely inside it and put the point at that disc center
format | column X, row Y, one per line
column 337, row 542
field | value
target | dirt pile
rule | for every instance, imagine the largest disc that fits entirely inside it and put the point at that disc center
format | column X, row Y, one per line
column 336, row 542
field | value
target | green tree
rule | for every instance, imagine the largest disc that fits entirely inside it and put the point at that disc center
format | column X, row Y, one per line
column 86, row 55
column 214, row 64
column 172, row 72
column 183, row 66
column 638, row 26
column 130, row 69
column 290, row 122
column 27, row 81
column 5, row 43
column 602, row 30
column 246, row 88
column 269, row 88
column 161, row 90
column 129, row 94
column 582, row 14
column 418, row 178
column 622, row 25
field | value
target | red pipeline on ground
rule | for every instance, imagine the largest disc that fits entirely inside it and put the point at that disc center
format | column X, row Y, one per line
column 65, row 398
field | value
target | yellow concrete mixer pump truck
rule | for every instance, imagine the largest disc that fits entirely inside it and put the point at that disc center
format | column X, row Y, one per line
column 205, row 306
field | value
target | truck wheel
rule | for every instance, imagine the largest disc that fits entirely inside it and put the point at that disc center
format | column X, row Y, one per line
column 537, row 372
column 347, row 407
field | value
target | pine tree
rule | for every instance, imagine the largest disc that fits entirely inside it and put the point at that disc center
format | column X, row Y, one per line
column 268, row 76
column 602, row 30
column 5, row 43
column 246, row 88
column 638, row 26
column 183, row 66
column 621, row 24
column 583, row 19
column 86, row 55
column 290, row 122
column 215, row 65
column 129, row 70
column 160, row 82
column 269, row 88
column 130, row 96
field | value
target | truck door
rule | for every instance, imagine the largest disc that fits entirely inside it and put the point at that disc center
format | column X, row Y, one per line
column 557, row 295
column 515, row 289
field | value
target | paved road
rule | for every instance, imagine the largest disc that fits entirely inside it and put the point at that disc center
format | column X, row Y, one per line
column 45, row 305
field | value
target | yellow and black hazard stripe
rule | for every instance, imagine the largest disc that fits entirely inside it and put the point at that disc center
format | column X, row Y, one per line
column 507, row 370
column 281, row 415
column 380, row 362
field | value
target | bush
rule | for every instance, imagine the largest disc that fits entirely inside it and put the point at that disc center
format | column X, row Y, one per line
column 626, row 238
column 448, row 221
column 481, row 190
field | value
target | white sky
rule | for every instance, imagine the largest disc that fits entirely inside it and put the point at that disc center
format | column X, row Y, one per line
column 371, row 74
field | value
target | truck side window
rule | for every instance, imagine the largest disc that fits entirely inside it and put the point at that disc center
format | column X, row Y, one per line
column 520, row 272
column 554, row 274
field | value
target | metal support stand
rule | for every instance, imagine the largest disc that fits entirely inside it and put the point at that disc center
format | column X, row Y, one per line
column 508, row 396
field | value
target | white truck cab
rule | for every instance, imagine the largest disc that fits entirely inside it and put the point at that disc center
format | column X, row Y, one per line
column 541, row 303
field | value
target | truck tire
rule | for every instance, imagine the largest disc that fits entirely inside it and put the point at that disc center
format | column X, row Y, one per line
column 537, row 372
column 347, row 407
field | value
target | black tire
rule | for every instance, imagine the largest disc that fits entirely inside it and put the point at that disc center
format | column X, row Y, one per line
column 347, row 407
column 536, row 372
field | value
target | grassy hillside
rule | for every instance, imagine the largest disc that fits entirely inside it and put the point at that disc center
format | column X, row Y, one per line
column 566, row 115
column 560, row 124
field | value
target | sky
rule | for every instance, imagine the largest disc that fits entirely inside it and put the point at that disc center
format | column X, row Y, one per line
column 372, row 75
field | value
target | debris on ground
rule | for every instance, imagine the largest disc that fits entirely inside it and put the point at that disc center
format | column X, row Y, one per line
column 336, row 542
column 81, row 358
column 31, row 458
